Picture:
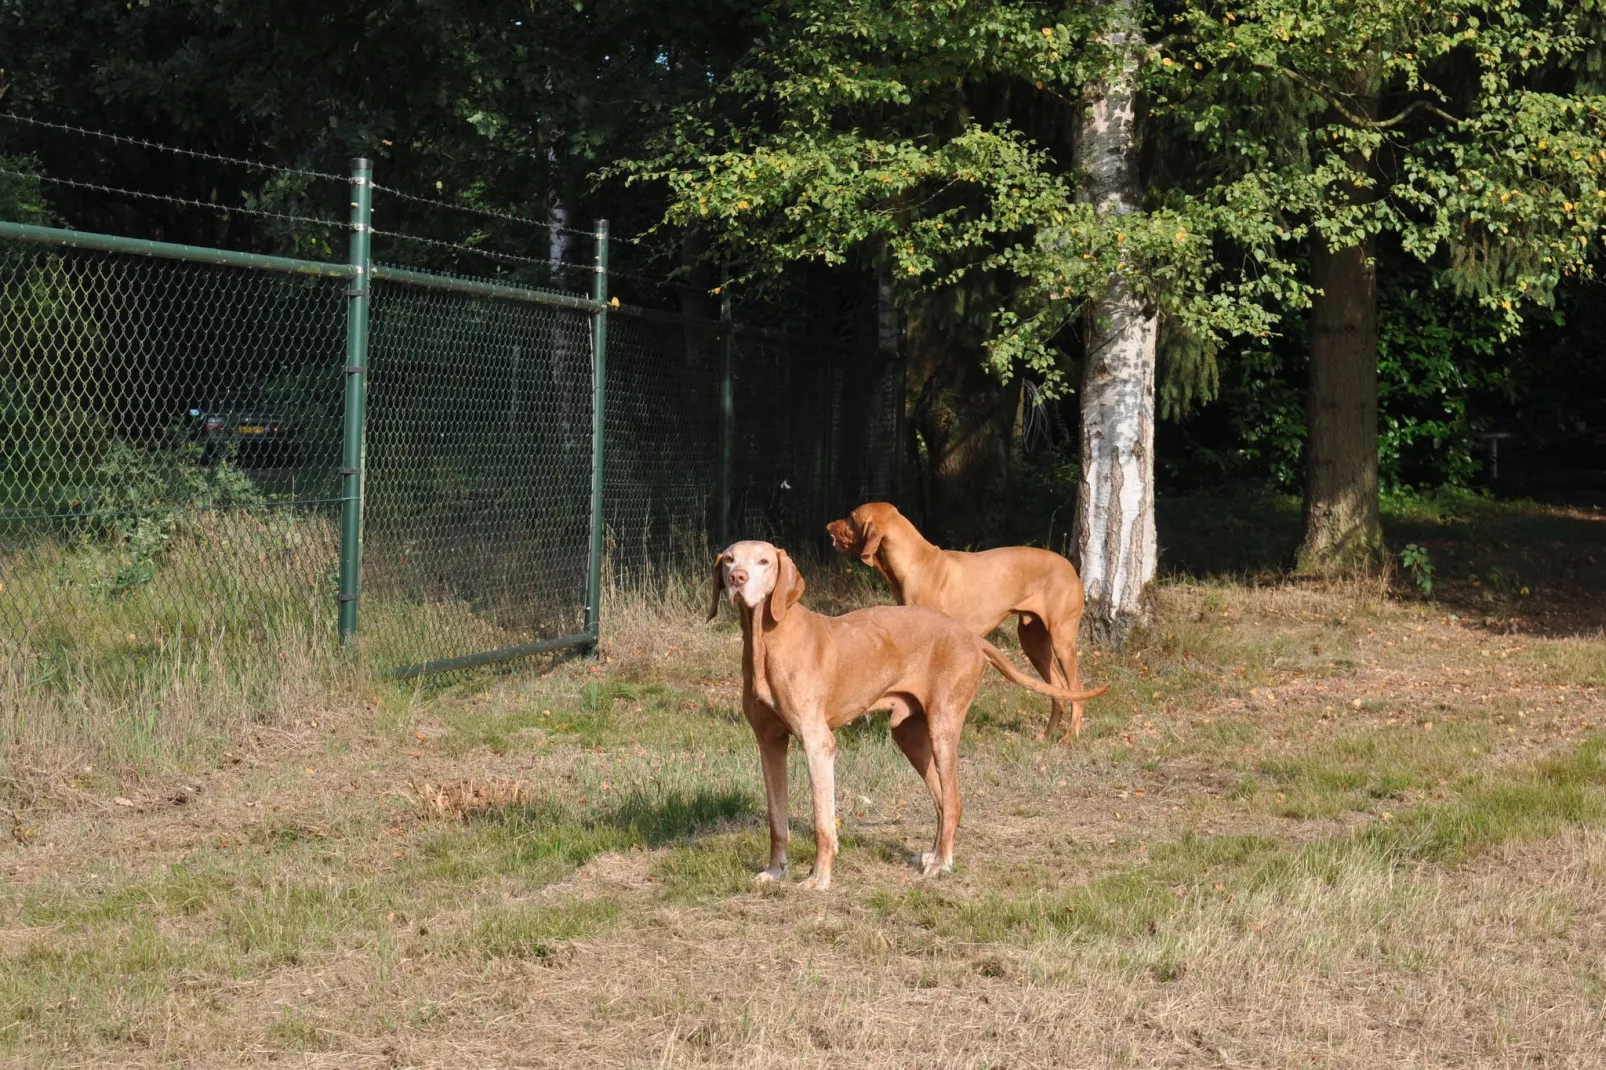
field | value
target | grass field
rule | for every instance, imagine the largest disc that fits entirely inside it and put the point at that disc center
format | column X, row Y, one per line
column 1331, row 826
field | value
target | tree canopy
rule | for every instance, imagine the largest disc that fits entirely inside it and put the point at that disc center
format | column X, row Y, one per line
column 941, row 128
column 808, row 141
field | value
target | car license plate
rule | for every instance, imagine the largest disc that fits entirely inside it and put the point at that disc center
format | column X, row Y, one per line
column 252, row 429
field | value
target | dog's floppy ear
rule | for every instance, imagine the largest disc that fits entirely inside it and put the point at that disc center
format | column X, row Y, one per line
column 870, row 534
column 719, row 583
column 788, row 586
column 841, row 532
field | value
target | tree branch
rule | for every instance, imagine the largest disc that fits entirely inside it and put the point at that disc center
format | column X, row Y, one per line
column 1355, row 118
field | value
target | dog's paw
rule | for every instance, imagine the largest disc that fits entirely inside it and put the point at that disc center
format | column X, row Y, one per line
column 931, row 865
column 769, row 876
column 816, row 883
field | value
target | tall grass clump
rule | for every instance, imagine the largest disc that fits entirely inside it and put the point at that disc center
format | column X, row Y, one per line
column 173, row 613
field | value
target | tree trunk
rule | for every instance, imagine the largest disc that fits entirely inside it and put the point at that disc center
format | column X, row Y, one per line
column 1116, row 549
column 889, row 340
column 963, row 415
column 889, row 333
column 1342, row 529
column 695, row 290
column 557, row 218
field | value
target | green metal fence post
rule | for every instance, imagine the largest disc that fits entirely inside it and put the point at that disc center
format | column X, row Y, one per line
column 727, row 406
column 599, row 389
column 351, row 463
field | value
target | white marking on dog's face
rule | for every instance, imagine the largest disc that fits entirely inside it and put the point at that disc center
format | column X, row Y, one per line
column 751, row 570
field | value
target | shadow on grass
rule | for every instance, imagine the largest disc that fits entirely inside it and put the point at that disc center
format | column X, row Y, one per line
column 1515, row 566
column 1512, row 566
column 646, row 818
column 1227, row 536
column 543, row 839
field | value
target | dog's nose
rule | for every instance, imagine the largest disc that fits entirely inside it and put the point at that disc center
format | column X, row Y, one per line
column 738, row 577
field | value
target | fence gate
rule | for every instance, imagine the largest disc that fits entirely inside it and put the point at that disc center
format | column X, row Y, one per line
column 477, row 496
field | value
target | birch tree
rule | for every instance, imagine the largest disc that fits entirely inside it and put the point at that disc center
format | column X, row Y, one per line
column 1116, row 545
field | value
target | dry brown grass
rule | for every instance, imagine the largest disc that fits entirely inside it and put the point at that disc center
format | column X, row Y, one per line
column 467, row 798
column 1331, row 826
column 226, row 646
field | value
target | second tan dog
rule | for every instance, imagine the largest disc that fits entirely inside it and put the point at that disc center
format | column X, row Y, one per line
column 981, row 590
column 805, row 675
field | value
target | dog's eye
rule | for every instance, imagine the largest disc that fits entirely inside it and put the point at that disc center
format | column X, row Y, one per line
column 764, row 561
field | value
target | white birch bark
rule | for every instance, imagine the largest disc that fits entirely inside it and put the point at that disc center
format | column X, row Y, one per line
column 564, row 354
column 557, row 217
column 1115, row 539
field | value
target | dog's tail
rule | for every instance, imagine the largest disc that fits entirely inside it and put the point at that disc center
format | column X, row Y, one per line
column 1015, row 676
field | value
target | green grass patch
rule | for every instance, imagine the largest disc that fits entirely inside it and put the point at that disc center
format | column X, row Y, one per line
column 1528, row 804
column 1558, row 793
column 542, row 840
column 596, row 713
column 715, row 867
column 1363, row 769
column 533, row 932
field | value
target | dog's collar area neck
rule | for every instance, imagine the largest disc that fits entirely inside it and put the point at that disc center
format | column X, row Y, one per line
column 757, row 620
column 755, row 652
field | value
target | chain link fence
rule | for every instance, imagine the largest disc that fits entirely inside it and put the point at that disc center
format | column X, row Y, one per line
column 661, row 450
column 150, row 465
column 476, row 505
column 176, row 446
column 818, row 435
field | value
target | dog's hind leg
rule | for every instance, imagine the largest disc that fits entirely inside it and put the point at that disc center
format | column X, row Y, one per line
column 913, row 737
column 945, row 756
column 1065, row 634
column 1038, row 646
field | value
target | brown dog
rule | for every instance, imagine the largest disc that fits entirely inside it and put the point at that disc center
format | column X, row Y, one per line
column 805, row 675
column 980, row 590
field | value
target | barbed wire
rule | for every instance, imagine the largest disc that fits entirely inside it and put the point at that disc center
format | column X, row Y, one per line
column 665, row 283
column 265, row 214
column 565, row 265
column 488, row 212
column 477, row 251
column 458, row 275
column 260, row 212
column 196, row 154
column 124, row 139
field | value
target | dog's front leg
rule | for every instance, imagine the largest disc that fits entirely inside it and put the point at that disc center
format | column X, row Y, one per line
column 772, row 750
column 820, row 747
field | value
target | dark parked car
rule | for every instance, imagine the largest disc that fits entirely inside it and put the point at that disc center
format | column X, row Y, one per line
column 252, row 435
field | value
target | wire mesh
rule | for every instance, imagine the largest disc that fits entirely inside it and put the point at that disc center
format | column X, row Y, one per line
column 169, row 446
column 816, row 435
column 869, row 389
column 170, row 451
column 661, row 461
column 477, row 485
